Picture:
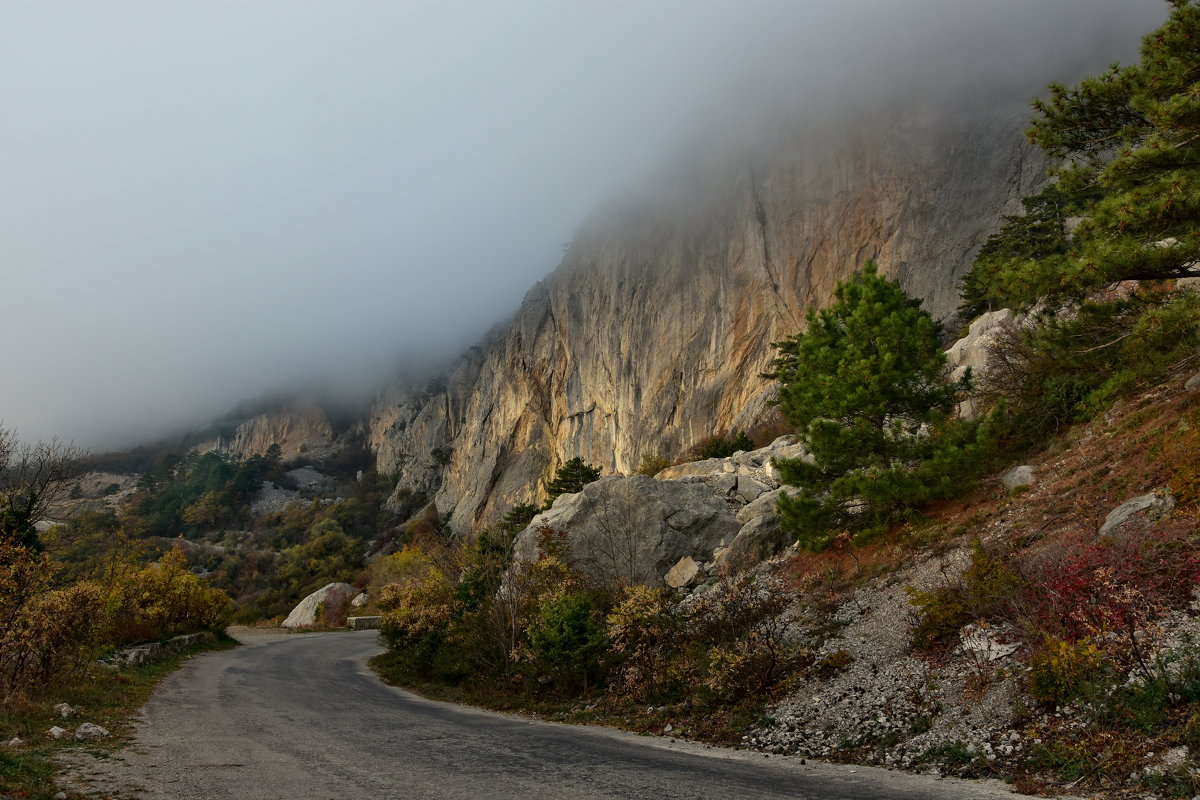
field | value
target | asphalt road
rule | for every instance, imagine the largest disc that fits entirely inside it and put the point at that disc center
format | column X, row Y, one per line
column 301, row 717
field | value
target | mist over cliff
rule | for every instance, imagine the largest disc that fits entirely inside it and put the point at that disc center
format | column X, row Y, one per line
column 206, row 201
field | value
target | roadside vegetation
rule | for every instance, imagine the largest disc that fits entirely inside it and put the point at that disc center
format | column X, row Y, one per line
column 56, row 622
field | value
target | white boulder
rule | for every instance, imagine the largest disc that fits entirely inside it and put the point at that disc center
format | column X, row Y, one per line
column 1018, row 477
column 1140, row 512
column 308, row 611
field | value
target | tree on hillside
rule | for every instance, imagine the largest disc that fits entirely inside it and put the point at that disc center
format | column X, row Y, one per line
column 33, row 477
column 570, row 478
column 1130, row 140
column 865, row 387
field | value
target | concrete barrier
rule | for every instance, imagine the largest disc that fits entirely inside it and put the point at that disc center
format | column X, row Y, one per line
column 154, row 652
column 364, row 623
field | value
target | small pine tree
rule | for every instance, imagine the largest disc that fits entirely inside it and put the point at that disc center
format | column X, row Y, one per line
column 570, row 478
column 865, row 387
column 518, row 517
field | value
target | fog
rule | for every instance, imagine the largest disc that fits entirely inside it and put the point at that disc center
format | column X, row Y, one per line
column 201, row 201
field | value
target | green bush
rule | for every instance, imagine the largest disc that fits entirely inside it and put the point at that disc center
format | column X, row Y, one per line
column 1061, row 671
column 567, row 638
column 652, row 465
column 721, row 446
column 570, row 478
column 984, row 590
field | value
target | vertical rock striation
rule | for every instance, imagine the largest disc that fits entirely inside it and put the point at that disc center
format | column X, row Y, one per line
column 654, row 331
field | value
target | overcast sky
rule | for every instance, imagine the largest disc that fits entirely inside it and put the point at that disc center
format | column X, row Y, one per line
column 201, row 200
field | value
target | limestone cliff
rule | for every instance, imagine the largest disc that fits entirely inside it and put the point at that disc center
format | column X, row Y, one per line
column 654, row 330
column 299, row 428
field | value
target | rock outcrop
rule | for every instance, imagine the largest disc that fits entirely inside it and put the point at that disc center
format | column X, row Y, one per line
column 301, row 428
column 1138, row 513
column 654, row 331
column 681, row 527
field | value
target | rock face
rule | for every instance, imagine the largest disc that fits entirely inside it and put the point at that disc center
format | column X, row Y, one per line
column 654, row 331
column 307, row 611
column 303, row 428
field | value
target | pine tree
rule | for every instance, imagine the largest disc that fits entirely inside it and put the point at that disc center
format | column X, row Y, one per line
column 570, row 478
column 864, row 385
column 1130, row 140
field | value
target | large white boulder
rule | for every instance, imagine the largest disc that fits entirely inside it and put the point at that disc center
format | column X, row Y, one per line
column 1138, row 513
column 308, row 611
column 633, row 529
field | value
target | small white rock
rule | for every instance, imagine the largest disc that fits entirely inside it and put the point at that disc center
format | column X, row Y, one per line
column 15, row 742
column 90, row 731
column 56, row 732
column 63, row 710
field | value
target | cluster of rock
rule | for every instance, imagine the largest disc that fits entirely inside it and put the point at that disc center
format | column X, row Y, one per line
column 86, row 732
column 684, row 525
column 868, row 687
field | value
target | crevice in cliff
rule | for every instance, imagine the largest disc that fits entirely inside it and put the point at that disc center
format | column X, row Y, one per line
column 760, row 216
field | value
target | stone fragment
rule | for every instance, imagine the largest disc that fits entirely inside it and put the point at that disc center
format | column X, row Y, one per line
column 1018, row 477
column 692, row 469
column 361, row 600
column 1138, row 513
column 56, row 732
column 15, row 742
column 63, row 710
column 759, row 539
column 1193, row 383
column 762, row 506
column 89, row 731
column 984, row 643
column 748, row 490
column 725, row 485
column 686, row 572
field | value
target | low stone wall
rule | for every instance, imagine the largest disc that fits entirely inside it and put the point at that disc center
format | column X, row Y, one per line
column 364, row 623
column 143, row 654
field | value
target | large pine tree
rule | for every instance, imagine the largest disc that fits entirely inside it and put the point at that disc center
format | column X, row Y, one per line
column 865, row 387
column 1129, row 141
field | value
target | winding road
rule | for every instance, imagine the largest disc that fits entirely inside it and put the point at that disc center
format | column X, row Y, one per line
column 301, row 717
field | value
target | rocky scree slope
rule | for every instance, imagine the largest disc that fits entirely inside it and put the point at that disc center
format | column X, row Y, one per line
column 654, row 331
column 967, row 708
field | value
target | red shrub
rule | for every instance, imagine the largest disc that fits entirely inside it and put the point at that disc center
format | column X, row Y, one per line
column 1082, row 587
